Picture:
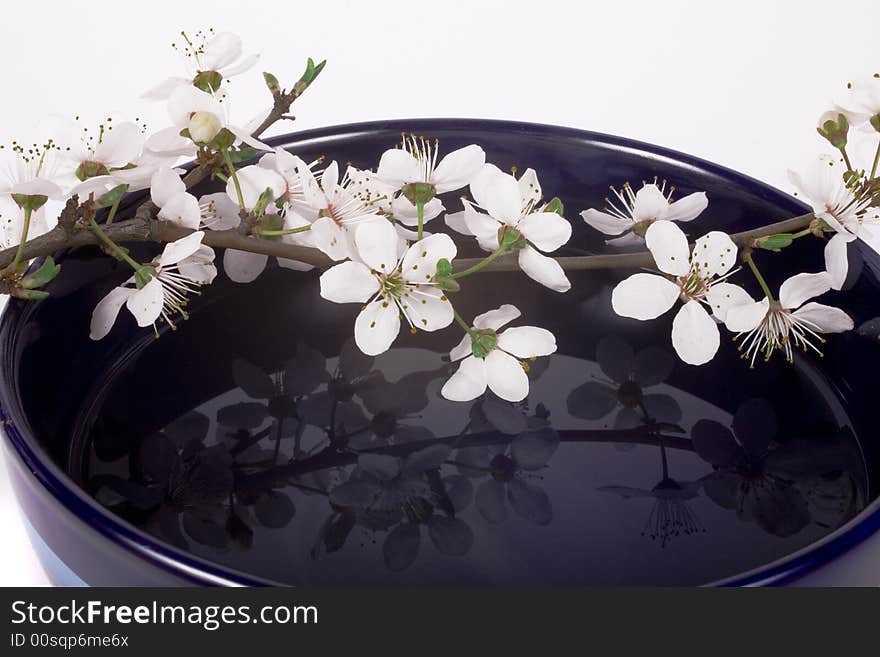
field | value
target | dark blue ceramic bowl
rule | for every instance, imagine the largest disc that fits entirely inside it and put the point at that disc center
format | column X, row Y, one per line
column 80, row 416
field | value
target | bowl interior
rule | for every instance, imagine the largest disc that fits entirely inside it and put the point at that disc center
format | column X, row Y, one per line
column 237, row 436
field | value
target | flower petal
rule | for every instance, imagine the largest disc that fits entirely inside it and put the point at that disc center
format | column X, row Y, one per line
column 825, row 318
column 836, row 259
column 420, row 262
column 497, row 193
column 688, row 208
column 243, row 266
column 543, row 269
column 456, row 221
column 376, row 327
column 401, row 546
column 397, row 167
column 468, row 382
column 107, row 310
column 348, row 282
column 644, row 296
column 506, row 376
column 800, row 287
column 458, row 168
column 146, row 303
column 121, row 145
column 495, row 319
column 427, row 308
column 378, row 244
column 695, row 334
column 182, row 209
column 529, row 501
column 714, row 254
column 605, row 222
column 722, row 296
column 546, row 230
column 669, row 246
column 221, row 51
column 742, row 318
column 165, row 184
column 462, row 349
column 330, row 238
column 176, row 251
column 480, row 225
column 253, row 181
column 650, row 203
column 527, row 341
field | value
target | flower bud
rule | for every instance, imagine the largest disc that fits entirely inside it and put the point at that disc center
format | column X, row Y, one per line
column 203, row 127
column 834, row 126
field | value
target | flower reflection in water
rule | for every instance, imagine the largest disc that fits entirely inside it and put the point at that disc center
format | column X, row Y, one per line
column 510, row 468
column 670, row 516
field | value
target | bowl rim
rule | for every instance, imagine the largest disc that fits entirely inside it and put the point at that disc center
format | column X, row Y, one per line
column 198, row 570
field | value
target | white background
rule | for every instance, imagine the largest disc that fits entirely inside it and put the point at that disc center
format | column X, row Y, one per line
column 738, row 83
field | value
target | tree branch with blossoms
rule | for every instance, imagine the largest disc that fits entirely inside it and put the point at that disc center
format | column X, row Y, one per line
column 368, row 230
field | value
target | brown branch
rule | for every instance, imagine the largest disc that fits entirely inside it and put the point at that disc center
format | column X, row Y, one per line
column 144, row 229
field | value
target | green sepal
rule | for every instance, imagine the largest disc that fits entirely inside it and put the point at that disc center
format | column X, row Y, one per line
column 875, row 122
column 444, row 267
column 112, row 197
column 89, row 169
column 223, row 140
column 555, row 205
column 510, row 239
column 42, row 276
column 243, row 154
column 272, row 83
column 774, row 242
column 835, row 130
column 30, row 201
column 263, row 202
column 208, row 81
column 483, row 341
column 419, row 192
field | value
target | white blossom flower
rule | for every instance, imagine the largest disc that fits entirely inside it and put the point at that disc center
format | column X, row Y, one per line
column 415, row 164
column 175, row 204
column 512, row 203
column 633, row 212
column 209, row 60
column 764, row 326
column 391, row 202
column 696, row 279
column 254, row 180
column 289, row 167
column 862, row 105
column 96, row 151
column 496, row 361
column 204, row 115
column 161, row 291
column 31, row 170
column 391, row 284
column 843, row 209
column 336, row 209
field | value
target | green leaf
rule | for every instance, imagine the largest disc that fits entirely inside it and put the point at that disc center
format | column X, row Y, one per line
column 312, row 72
column 774, row 242
column 272, row 83
column 42, row 276
column 112, row 197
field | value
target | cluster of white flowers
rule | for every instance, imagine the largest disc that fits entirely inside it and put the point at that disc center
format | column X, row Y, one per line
column 845, row 202
column 372, row 224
